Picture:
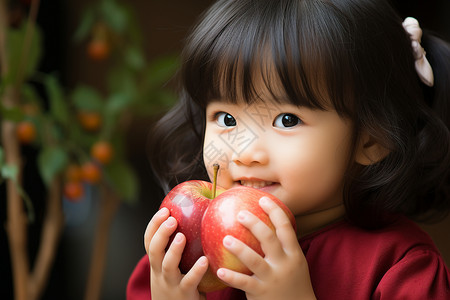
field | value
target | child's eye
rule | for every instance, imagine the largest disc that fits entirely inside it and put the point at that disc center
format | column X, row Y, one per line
column 286, row 120
column 225, row 119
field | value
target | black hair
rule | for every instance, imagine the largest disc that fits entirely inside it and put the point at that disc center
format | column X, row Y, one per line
column 352, row 53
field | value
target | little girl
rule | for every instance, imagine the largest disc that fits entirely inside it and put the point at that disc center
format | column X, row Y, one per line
column 332, row 106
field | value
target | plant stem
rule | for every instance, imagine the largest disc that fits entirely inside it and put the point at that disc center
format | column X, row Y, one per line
column 53, row 222
column 51, row 232
column 216, row 170
column 108, row 208
column 26, row 285
column 16, row 221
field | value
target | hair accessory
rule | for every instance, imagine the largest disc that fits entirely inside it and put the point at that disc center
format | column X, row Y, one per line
column 423, row 67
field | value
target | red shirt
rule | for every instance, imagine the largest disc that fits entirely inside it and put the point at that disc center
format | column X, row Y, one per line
column 399, row 261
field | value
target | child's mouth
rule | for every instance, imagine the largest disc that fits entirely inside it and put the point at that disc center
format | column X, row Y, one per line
column 259, row 184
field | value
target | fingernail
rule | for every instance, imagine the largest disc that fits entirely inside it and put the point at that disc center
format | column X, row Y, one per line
column 170, row 222
column 264, row 200
column 221, row 273
column 178, row 238
column 228, row 241
column 242, row 215
column 203, row 261
column 162, row 211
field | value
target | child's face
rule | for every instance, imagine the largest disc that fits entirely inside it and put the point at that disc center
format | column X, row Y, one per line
column 297, row 154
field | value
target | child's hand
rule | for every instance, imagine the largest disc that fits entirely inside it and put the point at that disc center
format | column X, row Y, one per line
column 283, row 272
column 166, row 280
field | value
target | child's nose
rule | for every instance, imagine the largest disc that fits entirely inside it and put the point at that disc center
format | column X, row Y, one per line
column 254, row 153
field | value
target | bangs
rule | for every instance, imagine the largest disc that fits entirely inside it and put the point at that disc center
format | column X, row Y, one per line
column 286, row 49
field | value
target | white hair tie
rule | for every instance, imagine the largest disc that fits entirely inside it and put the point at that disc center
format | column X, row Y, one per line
column 423, row 67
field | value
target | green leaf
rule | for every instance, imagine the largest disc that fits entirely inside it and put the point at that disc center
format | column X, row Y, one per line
column 30, row 95
column 122, row 79
column 114, row 15
column 123, row 179
column 15, row 49
column 14, row 114
column 155, row 102
column 10, row 172
column 4, row 82
column 161, row 70
column 2, row 156
column 164, row 98
column 51, row 161
column 86, row 23
column 27, row 201
column 134, row 58
column 87, row 98
column 58, row 106
column 118, row 102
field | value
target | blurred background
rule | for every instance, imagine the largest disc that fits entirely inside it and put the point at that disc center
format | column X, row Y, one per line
column 100, row 75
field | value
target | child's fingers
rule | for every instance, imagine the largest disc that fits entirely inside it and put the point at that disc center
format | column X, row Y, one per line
column 236, row 280
column 284, row 230
column 154, row 224
column 252, row 260
column 173, row 256
column 195, row 274
column 266, row 236
column 158, row 243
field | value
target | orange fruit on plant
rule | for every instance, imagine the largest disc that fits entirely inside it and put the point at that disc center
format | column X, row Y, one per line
column 91, row 173
column 73, row 190
column 98, row 49
column 26, row 132
column 90, row 121
column 102, row 151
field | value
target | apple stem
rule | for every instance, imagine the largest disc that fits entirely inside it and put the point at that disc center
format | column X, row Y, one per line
column 216, row 170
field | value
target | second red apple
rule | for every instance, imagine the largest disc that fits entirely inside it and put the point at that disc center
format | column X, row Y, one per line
column 220, row 220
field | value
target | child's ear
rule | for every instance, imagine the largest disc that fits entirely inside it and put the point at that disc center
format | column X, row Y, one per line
column 369, row 151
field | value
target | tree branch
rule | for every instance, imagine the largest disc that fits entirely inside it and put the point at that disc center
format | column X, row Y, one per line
column 16, row 220
column 108, row 208
column 51, row 232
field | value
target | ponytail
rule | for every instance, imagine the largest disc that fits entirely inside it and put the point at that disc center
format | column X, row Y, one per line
column 438, row 53
column 414, row 179
column 434, row 139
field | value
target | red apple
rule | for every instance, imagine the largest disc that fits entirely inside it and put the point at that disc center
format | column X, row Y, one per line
column 187, row 203
column 220, row 220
